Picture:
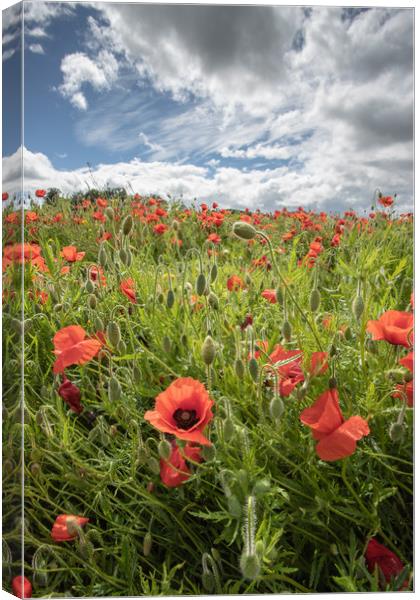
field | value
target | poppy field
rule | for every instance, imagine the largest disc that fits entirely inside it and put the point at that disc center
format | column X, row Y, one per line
column 215, row 401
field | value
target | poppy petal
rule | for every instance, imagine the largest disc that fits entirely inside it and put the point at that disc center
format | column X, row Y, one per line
column 342, row 442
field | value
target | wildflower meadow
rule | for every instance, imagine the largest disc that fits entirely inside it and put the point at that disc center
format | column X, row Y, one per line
column 211, row 401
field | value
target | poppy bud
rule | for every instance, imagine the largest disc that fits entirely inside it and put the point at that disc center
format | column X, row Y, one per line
column 208, row 452
column 348, row 334
column 127, row 225
column 166, row 344
column 113, row 333
column 253, row 368
column 129, row 258
column 99, row 324
column 358, row 307
column 175, row 225
column 114, row 389
column 8, row 466
column 123, row 256
column 261, row 487
column 153, row 465
column 397, row 432
column 208, row 351
column 276, row 407
column 17, row 326
column 250, row 566
column 71, row 394
column 213, row 272
column 234, row 507
column 102, row 256
column 90, row 286
column 184, row 340
column 160, row 298
column 200, row 284
column 142, row 455
column 92, row 302
column 109, row 212
column 315, row 300
column 170, row 298
column 228, row 429
column 207, row 577
column 147, row 544
column 136, row 374
column 287, row 331
column 239, row 368
column 244, row 231
column 122, row 347
column 279, row 295
column 164, row 449
column 213, row 300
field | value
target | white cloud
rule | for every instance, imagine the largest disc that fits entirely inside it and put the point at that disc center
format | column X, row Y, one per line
column 36, row 48
column 36, row 32
column 78, row 69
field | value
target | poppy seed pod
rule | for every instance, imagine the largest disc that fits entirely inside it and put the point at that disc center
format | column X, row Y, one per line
column 208, row 351
column 358, row 307
column 253, row 368
column 348, row 334
column 113, row 333
column 92, row 302
column 314, row 300
column 287, row 330
column 170, row 298
column 244, row 231
column 127, row 225
column 201, row 284
column 109, row 212
column 147, row 544
column 114, row 389
column 239, row 368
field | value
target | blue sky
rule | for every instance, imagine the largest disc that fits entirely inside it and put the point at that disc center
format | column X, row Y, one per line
column 253, row 106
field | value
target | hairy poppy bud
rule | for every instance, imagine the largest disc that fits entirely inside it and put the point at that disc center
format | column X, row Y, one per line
column 207, row 577
column 113, row 333
column 99, row 324
column 228, row 429
column 208, row 452
column 127, row 225
column 17, row 326
column 244, row 231
column 213, row 300
column 122, row 347
column 287, row 331
column 166, row 344
column 90, row 286
column 160, row 298
column 250, row 566
column 253, row 368
column 397, row 432
column 175, row 225
column 170, row 298
column 102, row 256
column 200, row 284
column 208, row 351
column 147, row 544
column 153, row 465
column 109, row 212
column 164, row 449
column 239, row 368
column 276, row 407
column 315, row 300
column 92, row 302
column 213, row 272
column 142, row 455
column 358, row 307
column 36, row 469
column 123, row 256
column 114, row 389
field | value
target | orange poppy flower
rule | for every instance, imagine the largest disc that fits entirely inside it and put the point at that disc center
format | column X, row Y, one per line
column 336, row 437
column 71, row 255
column 127, row 288
column 174, row 471
column 394, row 326
column 235, row 283
column 65, row 527
column 270, row 295
column 160, row 228
column 71, row 347
column 184, row 410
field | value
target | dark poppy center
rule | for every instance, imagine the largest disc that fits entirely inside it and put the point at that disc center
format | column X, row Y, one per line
column 185, row 419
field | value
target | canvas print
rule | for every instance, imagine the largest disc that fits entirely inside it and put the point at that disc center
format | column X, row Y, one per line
column 208, row 307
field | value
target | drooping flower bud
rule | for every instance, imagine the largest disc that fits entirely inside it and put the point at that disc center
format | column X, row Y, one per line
column 147, row 544
column 213, row 300
column 122, row 347
column 102, row 256
column 261, row 487
column 136, row 374
column 358, row 307
column 253, row 368
column 92, row 301
column 243, row 230
column 208, row 453
column 99, row 324
column 123, row 256
column 114, row 389
column 213, row 272
column 113, row 333
column 397, row 431
column 228, row 429
column 170, row 298
column 208, row 350
column 164, row 449
column 287, row 330
column 90, row 286
column 276, row 407
column 127, row 225
column 153, row 465
column 279, row 295
column 109, row 213
column 201, row 284
column 315, row 300
column 239, row 368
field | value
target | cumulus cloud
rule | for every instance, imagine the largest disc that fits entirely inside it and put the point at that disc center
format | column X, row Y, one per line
column 267, row 189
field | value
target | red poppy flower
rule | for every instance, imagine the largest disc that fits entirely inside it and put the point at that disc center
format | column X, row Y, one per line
column 235, row 283
column 174, row 471
column 58, row 218
column 388, row 562
column 97, row 274
column 405, row 391
column 4, row 197
column 213, row 237
column 101, row 202
column 65, row 527
column 71, row 395
column 71, row 347
column 160, row 228
column 40, row 193
column 30, row 216
column 99, row 216
column 386, row 200
column 71, row 255
column 270, row 295
column 215, row 205
column 394, row 326
column 336, row 437
column 183, row 409
column 291, row 374
column 127, row 288
column 24, row 253
column 22, row 587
